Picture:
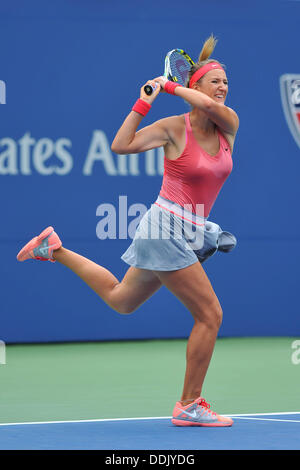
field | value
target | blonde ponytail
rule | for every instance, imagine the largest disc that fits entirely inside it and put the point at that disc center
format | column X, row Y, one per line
column 208, row 48
column 204, row 56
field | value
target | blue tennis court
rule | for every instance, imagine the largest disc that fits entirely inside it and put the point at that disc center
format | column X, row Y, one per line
column 262, row 432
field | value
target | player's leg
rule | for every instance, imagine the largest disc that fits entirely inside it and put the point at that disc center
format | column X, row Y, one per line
column 193, row 288
column 125, row 296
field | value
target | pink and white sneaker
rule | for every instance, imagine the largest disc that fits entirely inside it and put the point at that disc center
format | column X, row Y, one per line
column 198, row 413
column 41, row 247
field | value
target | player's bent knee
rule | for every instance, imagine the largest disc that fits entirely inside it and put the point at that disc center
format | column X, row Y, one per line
column 215, row 314
column 211, row 314
column 120, row 301
column 124, row 308
column 218, row 315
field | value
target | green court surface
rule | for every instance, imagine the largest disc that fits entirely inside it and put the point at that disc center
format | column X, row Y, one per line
column 77, row 381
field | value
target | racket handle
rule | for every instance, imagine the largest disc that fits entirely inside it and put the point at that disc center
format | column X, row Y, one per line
column 149, row 89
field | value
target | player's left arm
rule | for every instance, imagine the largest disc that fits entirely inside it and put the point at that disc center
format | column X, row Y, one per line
column 223, row 116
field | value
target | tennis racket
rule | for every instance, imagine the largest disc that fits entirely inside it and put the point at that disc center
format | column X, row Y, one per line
column 177, row 66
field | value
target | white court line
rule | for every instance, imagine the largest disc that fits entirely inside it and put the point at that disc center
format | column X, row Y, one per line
column 271, row 419
column 242, row 415
column 268, row 414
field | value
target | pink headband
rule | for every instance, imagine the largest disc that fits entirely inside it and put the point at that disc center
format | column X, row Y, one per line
column 206, row 68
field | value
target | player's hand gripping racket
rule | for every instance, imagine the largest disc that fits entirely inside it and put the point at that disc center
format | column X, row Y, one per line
column 177, row 66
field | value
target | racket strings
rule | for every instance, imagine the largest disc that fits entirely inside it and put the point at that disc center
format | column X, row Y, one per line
column 179, row 68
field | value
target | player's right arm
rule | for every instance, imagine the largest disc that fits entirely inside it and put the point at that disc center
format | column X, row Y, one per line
column 129, row 140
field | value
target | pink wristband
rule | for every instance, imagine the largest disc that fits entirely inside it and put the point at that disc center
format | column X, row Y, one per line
column 170, row 87
column 141, row 107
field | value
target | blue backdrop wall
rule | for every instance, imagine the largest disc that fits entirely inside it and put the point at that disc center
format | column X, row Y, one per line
column 70, row 72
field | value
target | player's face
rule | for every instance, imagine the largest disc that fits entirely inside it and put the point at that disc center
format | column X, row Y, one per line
column 214, row 84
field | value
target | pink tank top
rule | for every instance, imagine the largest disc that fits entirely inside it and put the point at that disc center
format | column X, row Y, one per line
column 196, row 177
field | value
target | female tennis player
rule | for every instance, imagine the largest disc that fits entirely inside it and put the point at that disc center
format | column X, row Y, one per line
column 198, row 147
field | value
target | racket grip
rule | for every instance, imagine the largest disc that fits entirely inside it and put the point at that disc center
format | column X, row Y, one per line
column 149, row 89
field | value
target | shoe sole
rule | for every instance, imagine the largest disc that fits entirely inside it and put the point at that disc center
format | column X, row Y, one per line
column 179, row 422
column 23, row 254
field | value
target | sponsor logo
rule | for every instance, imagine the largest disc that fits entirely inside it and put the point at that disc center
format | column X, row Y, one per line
column 193, row 414
column 28, row 156
column 290, row 99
